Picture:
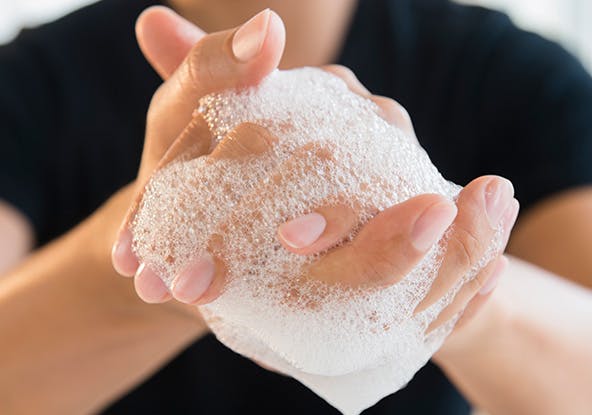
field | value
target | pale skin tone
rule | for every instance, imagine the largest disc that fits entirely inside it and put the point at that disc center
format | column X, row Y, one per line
column 57, row 309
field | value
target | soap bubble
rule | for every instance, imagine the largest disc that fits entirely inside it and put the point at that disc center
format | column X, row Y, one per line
column 351, row 346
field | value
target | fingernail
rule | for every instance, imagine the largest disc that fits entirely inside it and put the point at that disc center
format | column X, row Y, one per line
column 303, row 231
column 194, row 280
column 123, row 258
column 249, row 38
column 432, row 224
column 493, row 279
column 149, row 287
column 498, row 195
column 509, row 219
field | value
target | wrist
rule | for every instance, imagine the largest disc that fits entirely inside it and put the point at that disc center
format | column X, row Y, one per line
column 468, row 343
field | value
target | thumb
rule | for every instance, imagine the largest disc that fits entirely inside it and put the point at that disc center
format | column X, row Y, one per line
column 229, row 59
column 165, row 38
column 390, row 245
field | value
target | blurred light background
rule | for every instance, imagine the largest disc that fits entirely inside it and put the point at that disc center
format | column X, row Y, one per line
column 566, row 21
column 15, row 14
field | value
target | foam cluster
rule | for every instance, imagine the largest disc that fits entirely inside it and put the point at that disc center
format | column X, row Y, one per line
column 352, row 346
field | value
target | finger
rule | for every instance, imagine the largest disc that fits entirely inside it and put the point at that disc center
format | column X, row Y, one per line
column 123, row 258
column 350, row 79
column 217, row 62
column 165, row 38
column 210, row 66
column 149, row 286
column 482, row 285
column 193, row 142
column 201, row 280
column 245, row 140
column 472, row 309
column 390, row 245
column 196, row 286
column 508, row 221
column 392, row 112
column 192, row 283
column 481, row 206
column 318, row 230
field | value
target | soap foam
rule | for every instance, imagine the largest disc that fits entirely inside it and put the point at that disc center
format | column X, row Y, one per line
column 350, row 346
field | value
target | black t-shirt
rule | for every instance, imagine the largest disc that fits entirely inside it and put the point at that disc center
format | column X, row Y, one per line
column 485, row 97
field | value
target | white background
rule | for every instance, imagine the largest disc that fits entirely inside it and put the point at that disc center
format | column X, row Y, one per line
column 567, row 21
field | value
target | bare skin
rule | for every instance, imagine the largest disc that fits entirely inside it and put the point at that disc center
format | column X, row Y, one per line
column 316, row 28
column 49, row 284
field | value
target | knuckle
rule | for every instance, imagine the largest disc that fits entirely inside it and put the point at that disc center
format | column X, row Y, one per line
column 250, row 130
column 477, row 283
column 483, row 276
column 252, row 138
column 196, row 68
column 465, row 246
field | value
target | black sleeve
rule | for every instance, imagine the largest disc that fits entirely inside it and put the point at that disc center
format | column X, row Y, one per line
column 489, row 98
column 534, row 116
column 27, row 108
column 73, row 102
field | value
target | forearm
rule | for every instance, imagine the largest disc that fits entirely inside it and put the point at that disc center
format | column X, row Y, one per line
column 74, row 335
column 556, row 235
column 530, row 349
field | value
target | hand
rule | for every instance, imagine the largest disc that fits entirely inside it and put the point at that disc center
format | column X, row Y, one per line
column 193, row 65
column 386, row 249
column 388, row 243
